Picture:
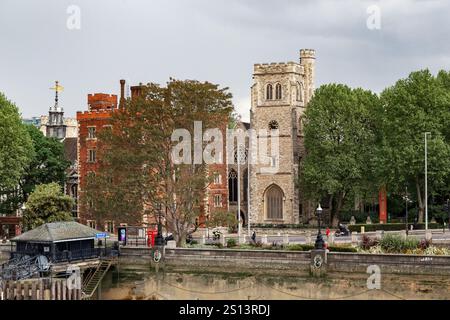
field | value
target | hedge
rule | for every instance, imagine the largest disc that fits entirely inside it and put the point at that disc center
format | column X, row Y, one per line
column 390, row 226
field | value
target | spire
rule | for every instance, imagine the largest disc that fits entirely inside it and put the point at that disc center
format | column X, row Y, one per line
column 57, row 89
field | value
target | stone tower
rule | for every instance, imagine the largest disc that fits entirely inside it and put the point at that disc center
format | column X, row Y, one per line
column 280, row 94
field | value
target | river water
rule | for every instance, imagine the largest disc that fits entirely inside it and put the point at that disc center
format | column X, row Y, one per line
column 151, row 285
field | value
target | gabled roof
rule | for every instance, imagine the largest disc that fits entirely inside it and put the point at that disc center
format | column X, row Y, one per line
column 57, row 232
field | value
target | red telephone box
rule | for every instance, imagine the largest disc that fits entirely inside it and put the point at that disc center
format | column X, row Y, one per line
column 151, row 235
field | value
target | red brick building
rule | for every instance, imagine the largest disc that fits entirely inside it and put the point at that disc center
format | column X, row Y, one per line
column 90, row 123
column 101, row 106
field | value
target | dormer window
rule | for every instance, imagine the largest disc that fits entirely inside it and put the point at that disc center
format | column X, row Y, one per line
column 278, row 91
column 269, row 92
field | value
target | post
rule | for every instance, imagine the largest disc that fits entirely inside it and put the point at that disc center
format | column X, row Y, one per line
column 426, row 181
column 239, row 190
column 248, row 192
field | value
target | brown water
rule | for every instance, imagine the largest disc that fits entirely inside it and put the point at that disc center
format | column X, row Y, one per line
column 147, row 285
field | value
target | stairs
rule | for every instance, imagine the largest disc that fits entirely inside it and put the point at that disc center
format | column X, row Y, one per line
column 93, row 279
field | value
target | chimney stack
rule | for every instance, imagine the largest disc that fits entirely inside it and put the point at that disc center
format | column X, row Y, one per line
column 122, row 94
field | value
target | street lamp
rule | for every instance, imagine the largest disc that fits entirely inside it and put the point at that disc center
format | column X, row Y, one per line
column 426, row 180
column 406, row 208
column 319, row 240
column 159, row 240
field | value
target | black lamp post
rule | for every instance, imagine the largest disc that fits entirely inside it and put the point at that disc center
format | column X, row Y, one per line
column 159, row 240
column 319, row 240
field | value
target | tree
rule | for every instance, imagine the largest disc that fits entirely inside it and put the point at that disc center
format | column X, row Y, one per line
column 47, row 164
column 47, row 203
column 339, row 133
column 15, row 145
column 137, row 175
column 413, row 106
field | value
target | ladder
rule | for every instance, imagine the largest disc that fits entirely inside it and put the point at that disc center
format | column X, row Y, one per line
column 94, row 278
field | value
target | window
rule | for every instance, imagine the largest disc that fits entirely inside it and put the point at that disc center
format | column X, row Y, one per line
column 107, row 127
column 92, row 224
column 232, row 186
column 109, row 226
column 91, row 133
column 217, row 178
column 274, row 161
column 299, row 92
column 274, row 203
column 278, row 91
column 273, row 125
column 300, row 125
column 217, row 200
column 91, row 155
column 269, row 92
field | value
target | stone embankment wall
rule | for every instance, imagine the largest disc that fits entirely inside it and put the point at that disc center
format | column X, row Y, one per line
column 249, row 261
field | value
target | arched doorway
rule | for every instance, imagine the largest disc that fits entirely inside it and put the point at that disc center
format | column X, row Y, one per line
column 274, row 203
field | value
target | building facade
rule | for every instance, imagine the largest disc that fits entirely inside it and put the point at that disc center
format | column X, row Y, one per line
column 279, row 96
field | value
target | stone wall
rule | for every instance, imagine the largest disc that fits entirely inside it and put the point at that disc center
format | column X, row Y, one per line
column 232, row 260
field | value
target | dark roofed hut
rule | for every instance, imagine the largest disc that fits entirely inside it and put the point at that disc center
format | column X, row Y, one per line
column 58, row 241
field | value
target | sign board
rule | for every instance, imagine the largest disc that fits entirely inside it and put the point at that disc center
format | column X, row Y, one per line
column 122, row 234
column 101, row 235
column 382, row 202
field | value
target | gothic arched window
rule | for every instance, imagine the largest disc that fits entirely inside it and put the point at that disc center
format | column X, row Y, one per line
column 232, row 186
column 274, row 203
column 269, row 92
column 278, row 91
column 273, row 125
column 299, row 92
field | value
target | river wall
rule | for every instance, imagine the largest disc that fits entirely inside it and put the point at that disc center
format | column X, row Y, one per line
column 253, row 261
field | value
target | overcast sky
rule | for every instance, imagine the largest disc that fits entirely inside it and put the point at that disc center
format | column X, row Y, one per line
column 214, row 40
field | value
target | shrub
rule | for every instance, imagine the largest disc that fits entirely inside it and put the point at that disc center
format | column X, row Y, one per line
column 390, row 226
column 231, row 242
column 395, row 243
column 342, row 249
column 256, row 244
column 300, row 247
column 368, row 242
column 424, row 244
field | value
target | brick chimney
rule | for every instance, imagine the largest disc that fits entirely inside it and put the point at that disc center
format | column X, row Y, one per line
column 122, row 94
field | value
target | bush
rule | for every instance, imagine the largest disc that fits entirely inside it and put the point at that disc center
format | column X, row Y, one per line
column 390, row 226
column 368, row 242
column 300, row 247
column 396, row 244
column 342, row 249
column 231, row 242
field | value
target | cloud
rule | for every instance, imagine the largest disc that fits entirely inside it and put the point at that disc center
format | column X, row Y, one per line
column 218, row 41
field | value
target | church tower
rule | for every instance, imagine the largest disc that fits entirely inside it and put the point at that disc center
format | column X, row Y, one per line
column 280, row 93
column 55, row 126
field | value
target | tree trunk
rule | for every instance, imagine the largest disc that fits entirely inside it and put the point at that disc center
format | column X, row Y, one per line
column 420, row 202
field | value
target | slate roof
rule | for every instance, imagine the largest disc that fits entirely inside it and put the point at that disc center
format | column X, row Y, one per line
column 57, row 231
column 70, row 149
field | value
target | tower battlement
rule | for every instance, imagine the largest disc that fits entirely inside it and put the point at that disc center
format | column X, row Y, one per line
column 307, row 54
column 277, row 67
column 102, row 101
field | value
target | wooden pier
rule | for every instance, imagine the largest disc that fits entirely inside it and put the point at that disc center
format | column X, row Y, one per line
column 38, row 289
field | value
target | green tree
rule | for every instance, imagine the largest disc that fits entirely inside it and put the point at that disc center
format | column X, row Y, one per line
column 15, row 145
column 339, row 133
column 413, row 106
column 47, row 164
column 47, row 203
column 137, row 175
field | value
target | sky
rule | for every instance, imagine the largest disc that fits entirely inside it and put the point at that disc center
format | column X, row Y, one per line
column 90, row 45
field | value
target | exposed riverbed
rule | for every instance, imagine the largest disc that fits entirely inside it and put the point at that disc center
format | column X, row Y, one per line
column 176, row 285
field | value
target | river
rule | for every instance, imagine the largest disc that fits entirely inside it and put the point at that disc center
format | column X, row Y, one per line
column 174, row 285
